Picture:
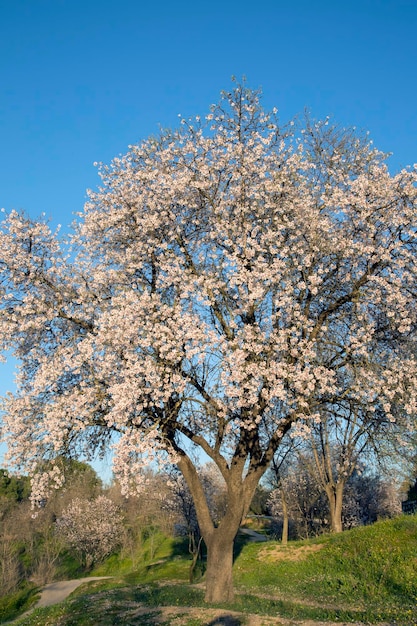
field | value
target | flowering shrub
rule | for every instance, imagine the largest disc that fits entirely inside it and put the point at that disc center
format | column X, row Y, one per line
column 93, row 528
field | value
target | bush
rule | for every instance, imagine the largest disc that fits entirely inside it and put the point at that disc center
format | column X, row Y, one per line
column 93, row 528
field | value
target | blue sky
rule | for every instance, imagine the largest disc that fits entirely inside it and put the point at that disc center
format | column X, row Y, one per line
column 81, row 80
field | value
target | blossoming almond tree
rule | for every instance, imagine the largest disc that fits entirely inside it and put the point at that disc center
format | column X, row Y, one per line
column 93, row 528
column 199, row 303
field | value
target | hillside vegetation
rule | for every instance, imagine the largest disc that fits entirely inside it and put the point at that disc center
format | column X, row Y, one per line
column 366, row 575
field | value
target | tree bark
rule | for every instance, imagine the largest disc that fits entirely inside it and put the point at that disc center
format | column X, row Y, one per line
column 284, row 537
column 219, row 540
column 335, row 498
column 219, row 577
column 194, row 549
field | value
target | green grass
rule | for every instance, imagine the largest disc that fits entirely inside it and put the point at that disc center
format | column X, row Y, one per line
column 364, row 575
column 14, row 604
column 165, row 550
column 362, row 566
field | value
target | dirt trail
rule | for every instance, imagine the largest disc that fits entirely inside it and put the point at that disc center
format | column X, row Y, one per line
column 252, row 534
column 56, row 592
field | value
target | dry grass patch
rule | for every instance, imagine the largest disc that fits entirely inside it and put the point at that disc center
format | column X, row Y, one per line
column 281, row 553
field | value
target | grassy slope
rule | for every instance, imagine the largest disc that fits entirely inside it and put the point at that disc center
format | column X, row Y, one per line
column 371, row 570
column 367, row 574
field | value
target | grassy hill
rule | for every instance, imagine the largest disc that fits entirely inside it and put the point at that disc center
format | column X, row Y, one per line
column 367, row 575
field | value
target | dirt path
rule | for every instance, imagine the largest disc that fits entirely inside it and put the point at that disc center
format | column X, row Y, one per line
column 56, row 592
column 252, row 534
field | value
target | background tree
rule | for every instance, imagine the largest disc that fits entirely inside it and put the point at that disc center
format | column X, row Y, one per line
column 46, row 546
column 93, row 528
column 297, row 504
column 30, row 547
column 199, row 304
column 258, row 506
column 351, row 430
column 333, row 452
column 300, row 501
column 13, row 488
column 144, row 516
column 374, row 496
column 278, row 502
column 412, row 492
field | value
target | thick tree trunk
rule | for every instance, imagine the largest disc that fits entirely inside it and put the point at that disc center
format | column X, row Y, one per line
column 335, row 498
column 219, row 578
column 219, row 540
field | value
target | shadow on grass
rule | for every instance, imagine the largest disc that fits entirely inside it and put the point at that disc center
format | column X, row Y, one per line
column 156, row 619
column 240, row 542
column 180, row 547
column 177, row 560
column 180, row 554
column 12, row 606
column 225, row 620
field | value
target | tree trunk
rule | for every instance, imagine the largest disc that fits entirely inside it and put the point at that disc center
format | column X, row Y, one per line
column 284, row 537
column 219, row 540
column 219, row 578
column 335, row 498
column 194, row 549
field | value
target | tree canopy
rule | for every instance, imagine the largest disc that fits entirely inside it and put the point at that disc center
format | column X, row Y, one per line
column 229, row 282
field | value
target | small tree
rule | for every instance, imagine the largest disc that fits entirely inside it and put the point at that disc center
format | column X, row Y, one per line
column 93, row 528
column 199, row 304
column 11, row 570
column 298, row 499
column 13, row 488
column 258, row 505
column 347, row 434
column 144, row 515
column 376, row 497
column 278, row 502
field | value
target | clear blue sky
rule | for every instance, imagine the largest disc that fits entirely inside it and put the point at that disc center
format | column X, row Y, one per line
column 81, row 80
